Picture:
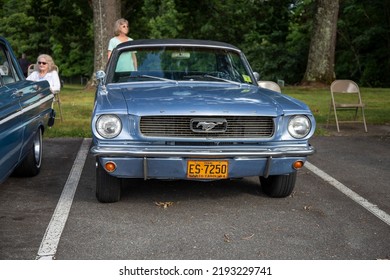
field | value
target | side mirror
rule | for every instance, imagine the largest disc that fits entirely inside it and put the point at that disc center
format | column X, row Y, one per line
column 257, row 76
column 100, row 76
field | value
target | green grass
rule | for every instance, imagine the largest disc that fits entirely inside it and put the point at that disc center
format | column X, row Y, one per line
column 77, row 105
column 377, row 101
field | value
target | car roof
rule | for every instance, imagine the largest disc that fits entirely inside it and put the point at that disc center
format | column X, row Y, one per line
column 178, row 42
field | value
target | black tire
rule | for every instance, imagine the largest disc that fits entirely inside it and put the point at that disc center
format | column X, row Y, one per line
column 278, row 185
column 108, row 188
column 31, row 164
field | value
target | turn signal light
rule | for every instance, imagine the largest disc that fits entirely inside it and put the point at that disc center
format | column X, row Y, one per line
column 110, row 166
column 298, row 164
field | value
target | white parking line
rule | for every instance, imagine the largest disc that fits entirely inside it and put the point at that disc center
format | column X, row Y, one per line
column 50, row 241
column 351, row 194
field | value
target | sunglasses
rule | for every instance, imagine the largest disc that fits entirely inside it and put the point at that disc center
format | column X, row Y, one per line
column 41, row 62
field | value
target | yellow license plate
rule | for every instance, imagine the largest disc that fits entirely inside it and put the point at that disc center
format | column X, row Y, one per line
column 202, row 169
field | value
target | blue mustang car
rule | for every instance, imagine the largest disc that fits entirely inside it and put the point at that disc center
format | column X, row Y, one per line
column 25, row 112
column 193, row 110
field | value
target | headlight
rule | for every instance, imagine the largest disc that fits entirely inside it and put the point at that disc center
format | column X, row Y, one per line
column 299, row 126
column 108, row 126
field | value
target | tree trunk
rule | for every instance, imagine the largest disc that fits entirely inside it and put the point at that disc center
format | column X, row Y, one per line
column 320, row 64
column 105, row 13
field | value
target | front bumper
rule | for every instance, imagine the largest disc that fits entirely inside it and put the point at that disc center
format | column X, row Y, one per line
column 171, row 162
column 210, row 153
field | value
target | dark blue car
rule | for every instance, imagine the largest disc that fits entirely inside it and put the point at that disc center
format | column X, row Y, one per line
column 193, row 110
column 25, row 112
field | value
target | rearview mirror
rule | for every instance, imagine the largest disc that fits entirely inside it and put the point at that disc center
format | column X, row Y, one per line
column 181, row 55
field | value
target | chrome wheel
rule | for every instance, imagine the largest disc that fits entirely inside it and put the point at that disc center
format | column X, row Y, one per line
column 37, row 148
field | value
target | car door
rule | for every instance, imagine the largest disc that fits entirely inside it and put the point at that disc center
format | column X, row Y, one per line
column 11, row 132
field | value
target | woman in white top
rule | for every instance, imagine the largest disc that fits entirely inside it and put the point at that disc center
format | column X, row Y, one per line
column 45, row 69
column 127, row 61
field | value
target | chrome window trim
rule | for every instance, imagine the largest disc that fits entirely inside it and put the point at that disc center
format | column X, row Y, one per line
column 26, row 109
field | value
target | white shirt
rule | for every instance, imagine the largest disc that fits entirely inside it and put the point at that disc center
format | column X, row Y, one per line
column 51, row 77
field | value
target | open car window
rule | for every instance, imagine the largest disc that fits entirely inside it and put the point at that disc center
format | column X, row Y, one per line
column 181, row 64
column 8, row 74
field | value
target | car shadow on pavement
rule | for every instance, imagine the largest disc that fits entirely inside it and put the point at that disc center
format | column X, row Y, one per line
column 166, row 190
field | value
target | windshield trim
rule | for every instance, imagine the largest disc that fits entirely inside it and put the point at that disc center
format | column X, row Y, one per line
column 244, row 72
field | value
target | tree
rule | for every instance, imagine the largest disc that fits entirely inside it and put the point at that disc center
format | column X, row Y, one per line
column 60, row 28
column 71, row 37
column 362, row 51
column 17, row 11
column 264, row 39
column 276, row 36
column 320, row 64
column 164, row 19
column 105, row 13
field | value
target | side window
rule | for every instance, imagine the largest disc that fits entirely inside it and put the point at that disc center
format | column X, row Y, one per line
column 8, row 74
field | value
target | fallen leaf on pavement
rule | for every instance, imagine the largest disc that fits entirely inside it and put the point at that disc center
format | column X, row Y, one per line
column 164, row 205
column 248, row 237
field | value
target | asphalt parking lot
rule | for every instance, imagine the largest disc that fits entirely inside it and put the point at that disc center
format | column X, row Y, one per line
column 343, row 216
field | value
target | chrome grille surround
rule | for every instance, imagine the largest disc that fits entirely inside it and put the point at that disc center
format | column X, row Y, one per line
column 238, row 127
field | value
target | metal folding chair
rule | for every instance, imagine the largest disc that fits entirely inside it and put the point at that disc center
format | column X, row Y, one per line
column 31, row 68
column 269, row 85
column 57, row 98
column 346, row 96
column 3, row 70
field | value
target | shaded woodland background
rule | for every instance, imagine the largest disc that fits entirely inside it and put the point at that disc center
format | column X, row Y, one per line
column 275, row 35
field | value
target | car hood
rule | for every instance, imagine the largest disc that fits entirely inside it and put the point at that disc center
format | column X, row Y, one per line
column 202, row 100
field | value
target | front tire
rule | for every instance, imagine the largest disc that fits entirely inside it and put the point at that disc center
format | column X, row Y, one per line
column 278, row 185
column 108, row 188
column 31, row 164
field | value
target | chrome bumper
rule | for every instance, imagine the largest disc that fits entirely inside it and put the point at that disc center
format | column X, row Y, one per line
column 210, row 152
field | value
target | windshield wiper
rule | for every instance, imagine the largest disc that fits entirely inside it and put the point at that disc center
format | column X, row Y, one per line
column 223, row 80
column 158, row 78
column 208, row 76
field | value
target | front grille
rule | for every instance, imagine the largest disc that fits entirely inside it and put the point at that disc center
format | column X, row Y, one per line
column 180, row 126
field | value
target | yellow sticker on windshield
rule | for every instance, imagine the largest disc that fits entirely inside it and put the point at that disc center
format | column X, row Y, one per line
column 247, row 78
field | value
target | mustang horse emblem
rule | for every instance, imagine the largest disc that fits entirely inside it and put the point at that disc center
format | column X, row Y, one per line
column 207, row 126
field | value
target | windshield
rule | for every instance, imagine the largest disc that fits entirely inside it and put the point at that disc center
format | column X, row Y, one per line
column 180, row 64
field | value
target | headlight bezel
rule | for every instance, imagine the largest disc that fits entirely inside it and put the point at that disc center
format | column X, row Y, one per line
column 299, row 126
column 106, row 122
